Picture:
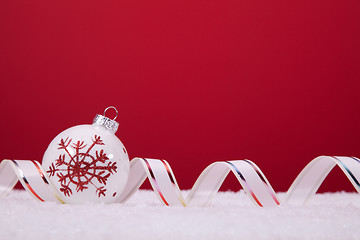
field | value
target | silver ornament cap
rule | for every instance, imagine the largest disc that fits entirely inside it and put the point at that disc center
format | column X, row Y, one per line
column 109, row 124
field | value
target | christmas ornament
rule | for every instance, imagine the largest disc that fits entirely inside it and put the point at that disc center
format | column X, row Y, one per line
column 88, row 163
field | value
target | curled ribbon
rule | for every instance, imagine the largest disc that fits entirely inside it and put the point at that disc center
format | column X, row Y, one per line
column 35, row 180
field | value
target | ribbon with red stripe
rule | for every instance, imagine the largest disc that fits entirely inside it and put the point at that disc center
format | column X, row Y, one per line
column 162, row 179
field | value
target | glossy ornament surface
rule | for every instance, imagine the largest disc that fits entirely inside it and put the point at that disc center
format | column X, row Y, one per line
column 88, row 163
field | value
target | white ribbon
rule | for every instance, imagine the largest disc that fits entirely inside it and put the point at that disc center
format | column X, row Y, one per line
column 35, row 180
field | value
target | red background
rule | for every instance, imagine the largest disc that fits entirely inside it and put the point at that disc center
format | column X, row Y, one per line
column 276, row 82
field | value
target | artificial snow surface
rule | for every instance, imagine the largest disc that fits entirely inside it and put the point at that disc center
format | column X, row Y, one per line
column 231, row 216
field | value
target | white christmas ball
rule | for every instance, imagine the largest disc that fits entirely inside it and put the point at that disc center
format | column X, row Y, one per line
column 87, row 163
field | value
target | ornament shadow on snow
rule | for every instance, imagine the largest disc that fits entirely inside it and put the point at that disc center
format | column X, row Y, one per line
column 86, row 162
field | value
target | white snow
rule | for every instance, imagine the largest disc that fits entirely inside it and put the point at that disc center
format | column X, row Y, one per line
column 231, row 216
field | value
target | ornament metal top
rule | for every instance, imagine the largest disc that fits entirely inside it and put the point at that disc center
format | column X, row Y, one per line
column 109, row 124
column 88, row 163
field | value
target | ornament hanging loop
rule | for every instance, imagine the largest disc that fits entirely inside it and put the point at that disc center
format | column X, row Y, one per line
column 111, row 107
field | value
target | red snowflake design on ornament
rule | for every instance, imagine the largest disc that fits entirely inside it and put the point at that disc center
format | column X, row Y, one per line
column 82, row 168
